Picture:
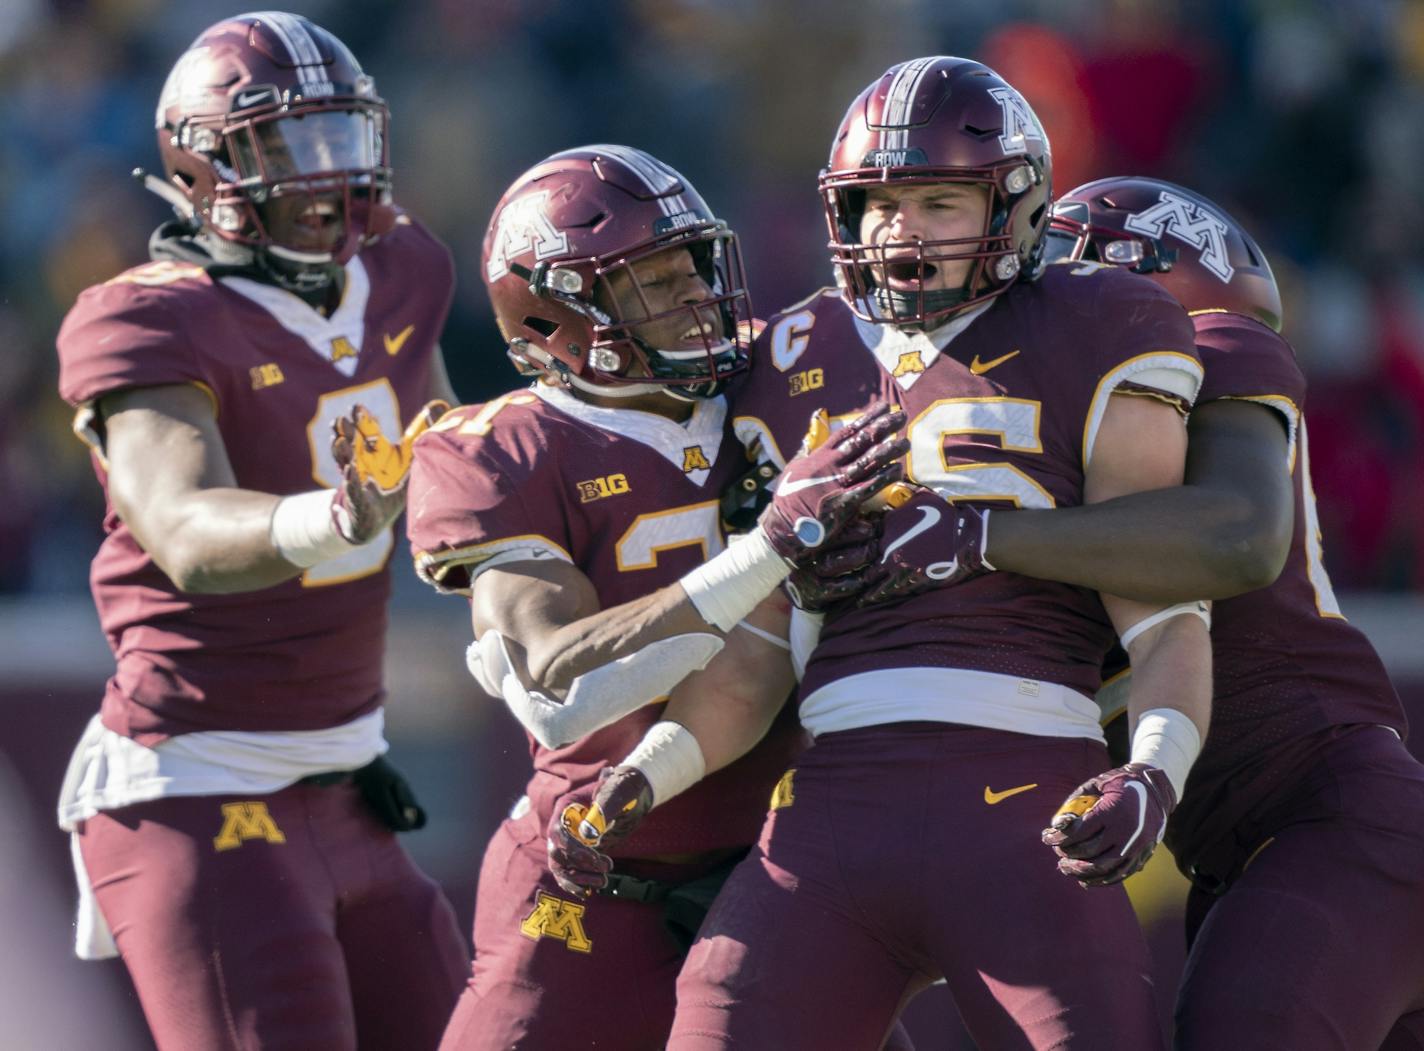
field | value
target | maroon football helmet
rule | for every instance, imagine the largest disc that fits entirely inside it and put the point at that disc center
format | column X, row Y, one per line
column 569, row 225
column 935, row 120
column 1176, row 237
column 267, row 106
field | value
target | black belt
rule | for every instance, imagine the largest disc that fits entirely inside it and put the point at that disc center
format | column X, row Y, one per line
column 630, row 888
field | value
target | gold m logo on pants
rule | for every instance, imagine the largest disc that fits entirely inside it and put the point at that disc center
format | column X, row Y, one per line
column 555, row 918
column 246, row 821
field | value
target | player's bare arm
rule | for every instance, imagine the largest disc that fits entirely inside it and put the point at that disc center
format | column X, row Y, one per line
column 1225, row 531
column 1109, row 826
column 713, row 718
column 174, row 487
column 567, row 668
column 172, row 484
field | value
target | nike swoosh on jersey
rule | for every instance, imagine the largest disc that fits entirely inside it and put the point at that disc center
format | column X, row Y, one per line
column 787, row 488
column 991, row 797
column 394, row 343
column 980, row 367
column 929, row 520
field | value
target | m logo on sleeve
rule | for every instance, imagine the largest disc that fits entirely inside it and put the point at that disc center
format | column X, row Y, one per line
column 1188, row 221
column 555, row 918
column 242, row 821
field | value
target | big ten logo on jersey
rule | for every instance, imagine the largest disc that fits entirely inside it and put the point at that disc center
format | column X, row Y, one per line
column 1187, row 221
column 523, row 225
column 243, row 821
column 558, row 919
column 268, row 375
column 811, row 379
column 694, row 459
column 599, row 488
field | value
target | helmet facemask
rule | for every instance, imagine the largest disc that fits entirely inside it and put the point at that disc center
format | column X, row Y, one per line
column 993, row 254
column 624, row 357
column 298, row 184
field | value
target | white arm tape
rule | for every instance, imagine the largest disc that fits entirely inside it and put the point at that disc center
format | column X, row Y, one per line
column 1196, row 609
column 670, row 758
column 303, row 530
column 596, row 698
column 1167, row 739
column 726, row 588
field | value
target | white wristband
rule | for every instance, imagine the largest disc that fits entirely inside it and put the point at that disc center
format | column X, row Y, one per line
column 303, row 530
column 1169, row 740
column 670, row 758
column 726, row 588
column 1196, row 609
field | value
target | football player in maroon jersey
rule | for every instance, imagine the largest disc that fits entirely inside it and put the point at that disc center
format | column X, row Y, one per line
column 1302, row 824
column 582, row 517
column 950, row 722
column 233, row 818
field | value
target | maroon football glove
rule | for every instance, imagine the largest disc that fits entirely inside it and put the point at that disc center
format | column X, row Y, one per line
column 836, row 573
column 926, row 543
column 1107, row 829
column 821, row 489
column 621, row 798
column 374, row 470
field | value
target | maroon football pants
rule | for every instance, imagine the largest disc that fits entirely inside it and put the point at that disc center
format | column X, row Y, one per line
column 1319, row 944
column 907, row 852
column 287, row 921
column 555, row 973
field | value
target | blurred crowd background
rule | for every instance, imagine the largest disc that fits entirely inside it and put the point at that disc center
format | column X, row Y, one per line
column 1304, row 118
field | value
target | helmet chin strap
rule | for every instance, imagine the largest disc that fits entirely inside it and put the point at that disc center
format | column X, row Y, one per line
column 302, row 273
column 895, row 304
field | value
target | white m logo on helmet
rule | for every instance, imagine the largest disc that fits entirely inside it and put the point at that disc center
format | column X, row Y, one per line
column 1188, row 221
column 523, row 225
column 1020, row 122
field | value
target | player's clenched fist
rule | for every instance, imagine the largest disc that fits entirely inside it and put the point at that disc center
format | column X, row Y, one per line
column 926, row 542
column 1107, row 829
column 374, row 470
column 621, row 799
column 822, row 488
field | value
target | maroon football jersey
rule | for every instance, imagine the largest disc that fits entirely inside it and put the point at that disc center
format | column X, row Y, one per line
column 1287, row 664
column 1005, row 412
column 629, row 498
column 305, row 654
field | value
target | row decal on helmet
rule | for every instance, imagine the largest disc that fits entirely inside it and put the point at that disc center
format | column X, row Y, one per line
column 658, row 178
column 1191, row 222
column 894, row 134
column 1020, row 124
column 306, row 56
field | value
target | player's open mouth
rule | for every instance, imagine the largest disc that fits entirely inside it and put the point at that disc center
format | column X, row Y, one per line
column 318, row 216
column 908, row 273
column 699, row 334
